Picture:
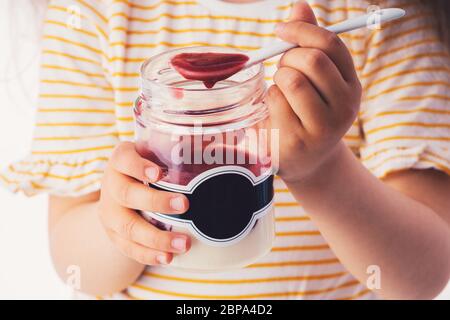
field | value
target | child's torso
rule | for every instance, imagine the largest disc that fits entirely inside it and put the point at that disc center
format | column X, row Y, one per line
column 301, row 265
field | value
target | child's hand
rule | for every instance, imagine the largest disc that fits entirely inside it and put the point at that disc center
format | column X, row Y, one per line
column 316, row 97
column 122, row 193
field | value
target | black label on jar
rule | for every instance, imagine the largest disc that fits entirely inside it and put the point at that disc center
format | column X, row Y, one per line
column 224, row 204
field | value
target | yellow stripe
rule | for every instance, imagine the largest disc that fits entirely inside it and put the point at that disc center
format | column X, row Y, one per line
column 74, row 124
column 287, row 204
column 409, row 85
column 381, row 151
column 156, row 5
column 127, row 60
column 399, row 112
column 69, row 96
column 126, row 133
column 294, row 263
column 65, row 138
column 54, row 176
column 125, row 119
column 73, row 151
column 193, row 30
column 67, row 164
column 125, row 104
column 405, row 72
column 76, row 58
column 58, row 23
column 297, row 233
column 408, row 124
column 354, row 37
column 285, row 7
column 71, row 110
column 95, row 136
column 407, row 59
column 289, row 219
column 301, row 248
column 76, row 84
column 357, row 295
column 282, row 190
column 78, row 44
column 247, row 296
column 127, row 89
column 412, row 138
column 420, row 98
column 94, row 75
column 336, row 9
column 125, row 75
column 352, row 137
column 94, row 10
column 245, row 280
column 37, row 186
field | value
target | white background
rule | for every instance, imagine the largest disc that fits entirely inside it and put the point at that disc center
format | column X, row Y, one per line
column 25, row 267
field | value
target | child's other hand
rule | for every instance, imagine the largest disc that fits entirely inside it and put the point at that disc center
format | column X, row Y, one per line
column 315, row 98
column 122, row 193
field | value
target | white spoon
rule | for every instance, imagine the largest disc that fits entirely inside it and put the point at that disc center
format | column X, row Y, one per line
column 368, row 20
column 213, row 67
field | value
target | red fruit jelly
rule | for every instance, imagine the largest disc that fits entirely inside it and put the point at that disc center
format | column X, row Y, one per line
column 208, row 67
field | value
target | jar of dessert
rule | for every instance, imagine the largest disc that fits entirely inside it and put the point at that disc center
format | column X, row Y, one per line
column 213, row 146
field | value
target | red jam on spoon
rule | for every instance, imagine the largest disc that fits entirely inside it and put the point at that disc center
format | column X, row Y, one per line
column 209, row 67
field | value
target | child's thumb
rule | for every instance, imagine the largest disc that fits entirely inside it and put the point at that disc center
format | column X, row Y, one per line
column 302, row 11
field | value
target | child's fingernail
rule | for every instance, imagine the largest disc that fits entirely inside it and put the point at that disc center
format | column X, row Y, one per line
column 280, row 27
column 177, row 203
column 162, row 259
column 152, row 173
column 179, row 244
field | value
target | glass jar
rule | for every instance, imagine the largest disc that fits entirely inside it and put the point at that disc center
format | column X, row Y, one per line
column 212, row 146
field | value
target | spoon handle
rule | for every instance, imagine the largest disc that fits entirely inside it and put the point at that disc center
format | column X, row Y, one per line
column 367, row 20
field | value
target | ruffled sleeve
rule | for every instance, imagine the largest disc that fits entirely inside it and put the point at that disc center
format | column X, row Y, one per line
column 405, row 115
column 75, row 128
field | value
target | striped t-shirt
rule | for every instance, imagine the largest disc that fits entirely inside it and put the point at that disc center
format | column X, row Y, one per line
column 90, row 78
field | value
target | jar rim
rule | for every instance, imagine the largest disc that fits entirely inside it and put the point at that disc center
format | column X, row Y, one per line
column 259, row 72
